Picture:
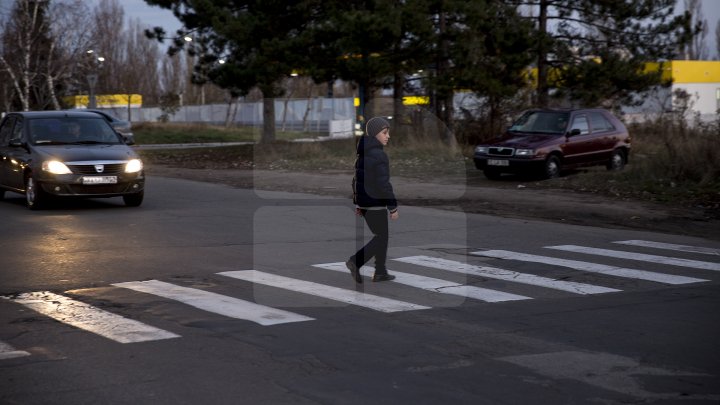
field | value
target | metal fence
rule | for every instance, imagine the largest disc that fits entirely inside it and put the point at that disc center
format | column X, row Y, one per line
column 312, row 115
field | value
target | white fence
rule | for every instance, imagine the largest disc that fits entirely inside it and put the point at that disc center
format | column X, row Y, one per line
column 312, row 115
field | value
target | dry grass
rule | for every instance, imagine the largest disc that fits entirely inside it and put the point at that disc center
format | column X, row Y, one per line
column 669, row 163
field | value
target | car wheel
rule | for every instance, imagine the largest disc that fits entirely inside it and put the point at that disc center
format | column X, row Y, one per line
column 617, row 160
column 35, row 196
column 552, row 167
column 492, row 174
column 134, row 200
column 2, row 194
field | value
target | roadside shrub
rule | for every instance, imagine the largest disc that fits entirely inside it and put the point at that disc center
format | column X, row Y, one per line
column 673, row 151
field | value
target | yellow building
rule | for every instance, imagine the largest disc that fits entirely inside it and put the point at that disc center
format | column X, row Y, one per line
column 700, row 79
column 106, row 101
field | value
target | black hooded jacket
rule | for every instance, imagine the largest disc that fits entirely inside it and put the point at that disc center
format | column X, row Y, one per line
column 372, row 186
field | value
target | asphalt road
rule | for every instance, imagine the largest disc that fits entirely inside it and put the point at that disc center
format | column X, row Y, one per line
column 210, row 294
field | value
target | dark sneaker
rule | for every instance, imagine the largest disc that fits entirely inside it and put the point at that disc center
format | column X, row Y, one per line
column 354, row 271
column 383, row 277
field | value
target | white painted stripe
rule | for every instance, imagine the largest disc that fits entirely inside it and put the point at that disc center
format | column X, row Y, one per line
column 89, row 318
column 216, row 303
column 591, row 267
column 671, row 246
column 9, row 352
column 673, row 261
column 437, row 285
column 338, row 294
column 507, row 275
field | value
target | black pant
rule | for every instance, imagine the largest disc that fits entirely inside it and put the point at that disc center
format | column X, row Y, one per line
column 377, row 221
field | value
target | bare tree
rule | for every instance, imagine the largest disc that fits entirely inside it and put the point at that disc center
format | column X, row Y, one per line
column 696, row 49
column 23, row 32
column 109, row 39
column 68, row 44
column 141, row 64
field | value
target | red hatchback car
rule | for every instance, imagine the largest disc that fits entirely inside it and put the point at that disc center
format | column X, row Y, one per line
column 547, row 141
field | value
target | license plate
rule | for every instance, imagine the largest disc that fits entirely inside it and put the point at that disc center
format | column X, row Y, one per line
column 99, row 180
column 498, row 162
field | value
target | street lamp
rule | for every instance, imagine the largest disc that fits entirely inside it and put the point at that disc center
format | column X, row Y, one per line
column 92, row 77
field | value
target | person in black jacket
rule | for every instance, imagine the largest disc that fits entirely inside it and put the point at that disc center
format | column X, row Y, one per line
column 374, row 198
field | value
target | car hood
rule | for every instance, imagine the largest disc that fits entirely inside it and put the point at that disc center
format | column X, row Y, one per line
column 77, row 153
column 524, row 140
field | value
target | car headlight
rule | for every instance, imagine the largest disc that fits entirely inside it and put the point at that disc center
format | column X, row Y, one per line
column 524, row 152
column 481, row 150
column 55, row 167
column 133, row 166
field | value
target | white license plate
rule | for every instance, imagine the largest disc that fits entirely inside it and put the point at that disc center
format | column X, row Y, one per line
column 99, row 180
column 497, row 162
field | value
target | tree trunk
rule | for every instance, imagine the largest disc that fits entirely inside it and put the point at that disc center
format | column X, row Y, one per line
column 542, row 83
column 50, row 78
column 398, row 107
column 268, row 131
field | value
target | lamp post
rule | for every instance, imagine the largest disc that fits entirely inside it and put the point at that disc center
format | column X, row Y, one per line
column 92, row 78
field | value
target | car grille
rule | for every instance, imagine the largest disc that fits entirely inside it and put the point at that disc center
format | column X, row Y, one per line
column 496, row 151
column 108, row 169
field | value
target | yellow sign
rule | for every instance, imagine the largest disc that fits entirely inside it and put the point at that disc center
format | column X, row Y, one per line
column 106, row 101
column 416, row 100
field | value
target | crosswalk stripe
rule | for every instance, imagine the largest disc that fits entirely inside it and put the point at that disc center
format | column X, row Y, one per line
column 590, row 267
column 670, row 246
column 321, row 290
column 9, row 352
column 89, row 318
column 216, row 303
column 437, row 285
column 507, row 275
column 673, row 261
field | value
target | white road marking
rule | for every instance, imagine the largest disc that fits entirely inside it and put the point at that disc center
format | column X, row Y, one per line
column 437, row 285
column 89, row 318
column 9, row 352
column 673, row 261
column 671, row 246
column 591, row 267
column 216, row 303
column 334, row 293
column 507, row 275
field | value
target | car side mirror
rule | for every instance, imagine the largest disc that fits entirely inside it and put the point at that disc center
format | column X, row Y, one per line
column 16, row 143
column 128, row 139
column 575, row 131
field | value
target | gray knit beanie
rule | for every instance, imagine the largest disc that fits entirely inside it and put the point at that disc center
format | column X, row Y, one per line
column 375, row 125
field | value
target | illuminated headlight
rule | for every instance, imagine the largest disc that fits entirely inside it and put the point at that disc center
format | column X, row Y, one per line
column 524, row 152
column 481, row 150
column 133, row 166
column 55, row 167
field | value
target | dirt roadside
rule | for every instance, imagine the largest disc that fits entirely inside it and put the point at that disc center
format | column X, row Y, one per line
column 511, row 200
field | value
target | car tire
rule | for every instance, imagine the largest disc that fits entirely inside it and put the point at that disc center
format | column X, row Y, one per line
column 135, row 199
column 2, row 194
column 492, row 174
column 617, row 160
column 552, row 167
column 35, row 196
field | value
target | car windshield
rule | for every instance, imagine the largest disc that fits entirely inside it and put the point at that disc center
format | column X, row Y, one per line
column 544, row 122
column 66, row 130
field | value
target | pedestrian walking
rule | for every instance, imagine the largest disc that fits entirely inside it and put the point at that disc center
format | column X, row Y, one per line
column 374, row 198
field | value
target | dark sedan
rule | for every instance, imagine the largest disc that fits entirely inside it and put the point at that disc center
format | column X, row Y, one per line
column 123, row 127
column 544, row 142
column 67, row 154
